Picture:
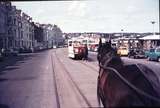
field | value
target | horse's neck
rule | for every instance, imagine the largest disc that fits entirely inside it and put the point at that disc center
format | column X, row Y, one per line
column 117, row 64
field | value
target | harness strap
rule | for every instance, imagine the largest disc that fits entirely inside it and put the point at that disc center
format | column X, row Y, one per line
column 129, row 84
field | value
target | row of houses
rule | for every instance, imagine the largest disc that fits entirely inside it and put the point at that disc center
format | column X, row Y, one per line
column 18, row 30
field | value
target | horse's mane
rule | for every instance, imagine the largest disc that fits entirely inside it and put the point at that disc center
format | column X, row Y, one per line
column 112, row 59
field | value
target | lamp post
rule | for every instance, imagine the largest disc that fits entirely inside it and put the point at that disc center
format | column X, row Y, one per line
column 153, row 22
column 122, row 32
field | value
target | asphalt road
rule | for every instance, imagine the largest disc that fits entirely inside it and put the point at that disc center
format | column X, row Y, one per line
column 27, row 81
column 155, row 66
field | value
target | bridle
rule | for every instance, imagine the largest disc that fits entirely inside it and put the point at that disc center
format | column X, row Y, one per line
column 137, row 90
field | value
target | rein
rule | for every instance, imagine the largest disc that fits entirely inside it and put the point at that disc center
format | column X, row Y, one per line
column 129, row 84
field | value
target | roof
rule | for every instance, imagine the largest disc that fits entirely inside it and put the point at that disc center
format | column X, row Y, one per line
column 151, row 37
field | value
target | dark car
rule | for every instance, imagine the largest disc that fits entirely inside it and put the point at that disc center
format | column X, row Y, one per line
column 136, row 53
column 10, row 52
column 1, row 57
column 26, row 50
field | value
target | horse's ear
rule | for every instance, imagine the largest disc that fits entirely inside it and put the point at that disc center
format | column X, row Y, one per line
column 108, row 43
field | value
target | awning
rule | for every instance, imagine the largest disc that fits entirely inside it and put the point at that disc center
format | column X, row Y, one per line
column 151, row 37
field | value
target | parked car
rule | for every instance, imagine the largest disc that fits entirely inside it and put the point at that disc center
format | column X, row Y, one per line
column 26, row 50
column 154, row 54
column 123, row 51
column 136, row 53
column 10, row 52
column 94, row 47
column 147, row 52
column 54, row 46
column 14, row 52
column 1, row 57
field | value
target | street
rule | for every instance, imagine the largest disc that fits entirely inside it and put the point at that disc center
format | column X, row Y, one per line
column 50, row 79
column 27, row 82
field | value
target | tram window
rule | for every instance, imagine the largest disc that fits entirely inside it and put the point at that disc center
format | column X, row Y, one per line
column 158, row 50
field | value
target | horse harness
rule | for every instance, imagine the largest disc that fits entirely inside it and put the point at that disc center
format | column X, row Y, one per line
column 126, row 82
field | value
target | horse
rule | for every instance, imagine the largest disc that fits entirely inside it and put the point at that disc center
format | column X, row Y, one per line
column 121, row 85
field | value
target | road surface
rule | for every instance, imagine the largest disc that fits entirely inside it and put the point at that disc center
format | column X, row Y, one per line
column 50, row 79
column 27, row 81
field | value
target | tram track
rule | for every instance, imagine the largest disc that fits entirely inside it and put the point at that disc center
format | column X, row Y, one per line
column 73, row 82
column 55, row 83
column 89, row 66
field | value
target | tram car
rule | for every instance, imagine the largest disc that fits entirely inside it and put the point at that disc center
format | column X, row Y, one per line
column 76, row 48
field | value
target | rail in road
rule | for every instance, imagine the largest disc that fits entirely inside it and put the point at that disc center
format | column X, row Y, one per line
column 89, row 66
column 72, row 81
column 55, row 83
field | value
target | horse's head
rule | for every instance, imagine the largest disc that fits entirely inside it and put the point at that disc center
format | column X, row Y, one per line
column 105, row 51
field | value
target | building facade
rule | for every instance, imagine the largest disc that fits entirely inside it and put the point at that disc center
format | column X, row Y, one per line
column 4, row 12
column 27, row 38
column 17, row 30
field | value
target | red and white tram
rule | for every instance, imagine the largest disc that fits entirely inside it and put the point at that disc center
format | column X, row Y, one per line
column 76, row 48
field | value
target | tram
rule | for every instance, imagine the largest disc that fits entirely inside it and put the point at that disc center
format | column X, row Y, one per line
column 76, row 48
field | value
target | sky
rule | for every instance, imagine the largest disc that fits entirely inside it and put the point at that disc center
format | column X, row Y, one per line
column 105, row 16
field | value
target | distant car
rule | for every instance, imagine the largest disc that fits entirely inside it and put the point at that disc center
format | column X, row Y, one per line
column 94, row 47
column 26, row 50
column 65, row 45
column 61, row 46
column 136, row 53
column 54, row 46
column 14, row 52
column 154, row 54
column 1, row 57
column 123, row 51
column 10, row 52
column 147, row 52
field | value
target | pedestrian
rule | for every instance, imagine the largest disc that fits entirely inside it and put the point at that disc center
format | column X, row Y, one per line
column 85, row 52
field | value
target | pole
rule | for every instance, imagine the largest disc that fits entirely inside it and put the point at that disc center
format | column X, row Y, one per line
column 153, row 22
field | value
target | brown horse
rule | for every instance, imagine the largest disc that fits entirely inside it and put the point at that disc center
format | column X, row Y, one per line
column 122, row 85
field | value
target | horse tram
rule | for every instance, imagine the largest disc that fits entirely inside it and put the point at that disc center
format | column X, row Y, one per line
column 121, row 85
column 76, row 47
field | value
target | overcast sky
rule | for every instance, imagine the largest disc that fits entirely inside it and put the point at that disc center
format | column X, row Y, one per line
column 95, row 15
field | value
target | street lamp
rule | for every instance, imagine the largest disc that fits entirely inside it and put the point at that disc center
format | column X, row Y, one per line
column 153, row 22
column 122, row 32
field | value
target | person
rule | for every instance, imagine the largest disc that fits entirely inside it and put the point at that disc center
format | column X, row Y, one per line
column 85, row 52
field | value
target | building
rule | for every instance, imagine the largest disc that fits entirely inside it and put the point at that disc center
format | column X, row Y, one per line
column 27, row 38
column 12, row 28
column 17, row 30
column 4, row 12
column 58, row 38
column 38, row 35
column 150, row 41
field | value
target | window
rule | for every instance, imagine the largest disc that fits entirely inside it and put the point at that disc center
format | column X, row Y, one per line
column 10, row 31
column 158, row 50
column 152, row 50
column 14, row 21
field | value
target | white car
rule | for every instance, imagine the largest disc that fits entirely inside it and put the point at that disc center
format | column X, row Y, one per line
column 54, row 46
